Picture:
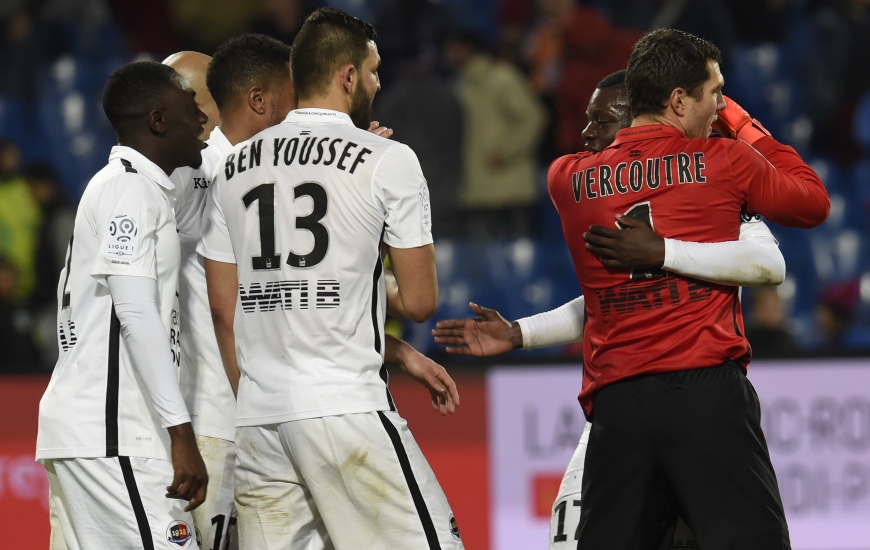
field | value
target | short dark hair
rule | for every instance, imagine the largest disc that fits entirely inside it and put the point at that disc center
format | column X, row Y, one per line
column 613, row 80
column 244, row 61
column 328, row 39
column 135, row 89
column 663, row 60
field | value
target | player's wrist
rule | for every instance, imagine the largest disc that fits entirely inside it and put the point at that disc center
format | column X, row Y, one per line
column 516, row 335
column 181, row 432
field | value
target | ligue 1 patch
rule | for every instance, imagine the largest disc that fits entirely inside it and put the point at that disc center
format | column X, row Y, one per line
column 179, row 535
column 122, row 238
column 454, row 528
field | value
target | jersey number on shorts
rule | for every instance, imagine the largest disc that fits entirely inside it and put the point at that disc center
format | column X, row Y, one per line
column 264, row 194
column 642, row 211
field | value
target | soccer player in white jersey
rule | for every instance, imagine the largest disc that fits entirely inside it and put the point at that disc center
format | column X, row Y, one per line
column 754, row 260
column 250, row 76
column 294, row 237
column 114, row 433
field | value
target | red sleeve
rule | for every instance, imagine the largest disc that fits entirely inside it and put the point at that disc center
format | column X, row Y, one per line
column 559, row 173
column 778, row 184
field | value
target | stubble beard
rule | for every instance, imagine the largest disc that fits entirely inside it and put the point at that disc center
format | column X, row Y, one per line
column 361, row 107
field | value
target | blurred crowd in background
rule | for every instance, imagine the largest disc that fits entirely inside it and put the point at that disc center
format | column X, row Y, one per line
column 487, row 93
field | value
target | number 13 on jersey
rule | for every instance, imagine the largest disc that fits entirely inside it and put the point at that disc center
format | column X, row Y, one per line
column 264, row 195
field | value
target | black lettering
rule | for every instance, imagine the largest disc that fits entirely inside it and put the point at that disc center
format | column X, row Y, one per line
column 617, row 180
column 589, row 179
column 608, row 297
column 674, row 291
column 359, row 159
column 345, row 154
column 635, row 176
column 699, row 165
column 256, row 149
column 288, row 155
column 636, row 297
column 604, row 173
column 684, row 163
column 230, row 166
column 242, row 166
column 669, row 176
column 319, row 150
column 699, row 292
column 305, row 153
column 279, row 142
column 655, row 290
column 331, row 151
column 653, row 173
column 577, row 183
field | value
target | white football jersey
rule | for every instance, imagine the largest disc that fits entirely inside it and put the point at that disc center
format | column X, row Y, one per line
column 302, row 209
column 95, row 404
column 204, row 382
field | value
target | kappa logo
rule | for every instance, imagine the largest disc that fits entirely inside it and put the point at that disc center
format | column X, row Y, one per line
column 179, row 535
column 454, row 528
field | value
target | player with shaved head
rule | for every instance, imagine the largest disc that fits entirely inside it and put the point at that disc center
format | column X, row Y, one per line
column 193, row 66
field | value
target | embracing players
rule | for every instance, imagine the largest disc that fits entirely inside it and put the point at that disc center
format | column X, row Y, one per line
column 753, row 260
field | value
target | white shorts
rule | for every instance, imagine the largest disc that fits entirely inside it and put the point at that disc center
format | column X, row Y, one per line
column 349, row 482
column 565, row 521
column 215, row 519
column 117, row 502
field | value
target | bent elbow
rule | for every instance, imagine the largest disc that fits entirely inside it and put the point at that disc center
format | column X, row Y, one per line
column 423, row 312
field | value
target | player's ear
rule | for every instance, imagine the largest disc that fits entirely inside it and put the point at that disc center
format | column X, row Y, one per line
column 676, row 101
column 348, row 75
column 256, row 100
column 157, row 122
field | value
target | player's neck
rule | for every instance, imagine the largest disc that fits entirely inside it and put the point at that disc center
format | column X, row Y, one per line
column 336, row 100
column 663, row 119
column 237, row 127
column 150, row 150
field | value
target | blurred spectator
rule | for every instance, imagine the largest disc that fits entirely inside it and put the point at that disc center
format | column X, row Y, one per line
column 759, row 20
column 708, row 19
column 205, row 24
column 515, row 17
column 410, row 35
column 835, row 313
column 836, row 72
column 427, row 116
column 767, row 333
column 282, row 19
column 148, row 26
column 58, row 218
column 26, row 45
column 503, row 121
column 19, row 220
column 19, row 354
column 588, row 56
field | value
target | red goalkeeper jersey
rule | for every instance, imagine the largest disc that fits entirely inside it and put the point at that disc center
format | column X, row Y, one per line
column 652, row 321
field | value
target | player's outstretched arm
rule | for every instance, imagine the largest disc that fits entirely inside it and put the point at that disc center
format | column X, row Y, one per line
column 135, row 300
column 442, row 388
column 415, row 293
column 487, row 335
column 753, row 260
column 223, row 288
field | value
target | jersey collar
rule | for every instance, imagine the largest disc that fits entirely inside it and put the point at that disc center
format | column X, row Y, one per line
column 142, row 165
column 648, row 131
column 309, row 115
column 219, row 141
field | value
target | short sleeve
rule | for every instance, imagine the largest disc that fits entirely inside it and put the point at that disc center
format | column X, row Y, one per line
column 215, row 244
column 400, row 188
column 126, row 221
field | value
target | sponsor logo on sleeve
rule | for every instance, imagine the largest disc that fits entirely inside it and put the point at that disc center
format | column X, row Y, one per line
column 425, row 206
column 122, row 238
column 179, row 535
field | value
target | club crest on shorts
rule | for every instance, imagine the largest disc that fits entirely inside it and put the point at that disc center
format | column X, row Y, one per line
column 179, row 534
column 454, row 528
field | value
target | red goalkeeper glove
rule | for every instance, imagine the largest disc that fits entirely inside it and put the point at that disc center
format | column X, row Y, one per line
column 734, row 122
